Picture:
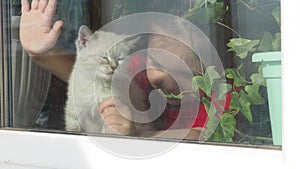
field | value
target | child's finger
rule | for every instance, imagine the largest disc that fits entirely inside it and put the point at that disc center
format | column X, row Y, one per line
column 42, row 5
column 124, row 112
column 113, row 119
column 34, row 4
column 57, row 27
column 56, row 30
column 108, row 102
column 25, row 6
column 51, row 8
column 109, row 112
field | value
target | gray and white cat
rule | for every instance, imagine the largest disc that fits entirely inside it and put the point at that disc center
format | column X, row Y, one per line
column 98, row 55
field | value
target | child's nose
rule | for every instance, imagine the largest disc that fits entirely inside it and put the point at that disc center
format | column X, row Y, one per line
column 157, row 80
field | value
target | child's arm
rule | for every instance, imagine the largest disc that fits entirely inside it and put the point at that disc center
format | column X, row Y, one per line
column 58, row 61
column 38, row 37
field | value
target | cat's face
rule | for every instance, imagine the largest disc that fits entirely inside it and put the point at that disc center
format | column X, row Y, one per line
column 102, row 50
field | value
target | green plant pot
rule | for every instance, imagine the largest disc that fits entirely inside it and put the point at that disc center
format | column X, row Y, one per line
column 271, row 69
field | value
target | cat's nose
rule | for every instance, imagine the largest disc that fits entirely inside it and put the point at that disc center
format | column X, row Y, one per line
column 113, row 65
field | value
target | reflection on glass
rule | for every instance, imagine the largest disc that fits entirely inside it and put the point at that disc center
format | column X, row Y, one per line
column 231, row 100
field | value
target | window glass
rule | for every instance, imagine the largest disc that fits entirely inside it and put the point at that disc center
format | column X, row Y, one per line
column 188, row 70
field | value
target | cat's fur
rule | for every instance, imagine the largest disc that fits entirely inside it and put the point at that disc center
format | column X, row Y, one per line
column 98, row 55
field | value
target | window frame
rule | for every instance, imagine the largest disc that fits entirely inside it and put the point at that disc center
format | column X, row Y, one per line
column 19, row 142
column 5, row 62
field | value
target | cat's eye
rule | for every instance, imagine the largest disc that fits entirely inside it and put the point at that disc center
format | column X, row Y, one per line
column 120, row 60
column 105, row 59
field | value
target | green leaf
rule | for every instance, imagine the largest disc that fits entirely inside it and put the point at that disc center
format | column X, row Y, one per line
column 276, row 15
column 250, row 4
column 225, row 130
column 241, row 70
column 212, row 73
column 253, row 2
column 232, row 73
column 257, row 78
column 245, row 105
column 211, row 13
column 270, row 43
column 218, row 135
column 228, row 123
column 266, row 42
column 235, row 103
column 212, row 1
column 254, row 95
column 212, row 128
column 198, row 15
column 204, row 84
column 216, row 12
column 241, row 102
column 174, row 96
column 242, row 46
column 206, row 81
column 213, row 121
column 276, row 45
column 199, row 3
column 171, row 95
column 222, row 89
column 195, row 81
column 209, row 107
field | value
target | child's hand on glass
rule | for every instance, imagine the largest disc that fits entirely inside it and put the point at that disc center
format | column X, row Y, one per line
column 37, row 34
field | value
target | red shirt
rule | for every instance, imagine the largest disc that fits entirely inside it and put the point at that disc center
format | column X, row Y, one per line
column 191, row 115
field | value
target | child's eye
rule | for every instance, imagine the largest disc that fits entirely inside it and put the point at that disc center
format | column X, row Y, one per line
column 156, row 64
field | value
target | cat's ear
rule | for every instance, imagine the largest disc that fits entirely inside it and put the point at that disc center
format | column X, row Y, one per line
column 84, row 35
column 132, row 41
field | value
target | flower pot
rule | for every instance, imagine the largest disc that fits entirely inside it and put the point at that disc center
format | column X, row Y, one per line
column 271, row 69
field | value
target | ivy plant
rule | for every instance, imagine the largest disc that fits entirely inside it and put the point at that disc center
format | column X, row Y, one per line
column 243, row 90
column 225, row 99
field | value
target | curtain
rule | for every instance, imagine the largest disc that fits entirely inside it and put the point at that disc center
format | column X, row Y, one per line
column 30, row 83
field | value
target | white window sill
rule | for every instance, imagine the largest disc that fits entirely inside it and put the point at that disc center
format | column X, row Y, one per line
column 24, row 150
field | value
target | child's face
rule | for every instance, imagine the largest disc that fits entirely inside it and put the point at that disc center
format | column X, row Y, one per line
column 163, row 69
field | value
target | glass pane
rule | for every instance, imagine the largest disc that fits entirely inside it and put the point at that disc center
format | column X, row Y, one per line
column 191, row 70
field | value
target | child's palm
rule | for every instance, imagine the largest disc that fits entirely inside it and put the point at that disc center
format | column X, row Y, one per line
column 36, row 32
